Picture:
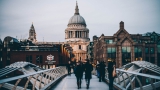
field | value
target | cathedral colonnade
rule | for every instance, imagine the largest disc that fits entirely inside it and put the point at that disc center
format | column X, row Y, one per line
column 77, row 34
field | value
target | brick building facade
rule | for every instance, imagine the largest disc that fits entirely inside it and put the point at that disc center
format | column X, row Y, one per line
column 13, row 51
column 123, row 47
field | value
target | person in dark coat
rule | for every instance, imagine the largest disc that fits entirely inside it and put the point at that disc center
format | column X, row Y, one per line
column 102, row 71
column 69, row 67
column 88, row 74
column 98, row 69
column 111, row 66
column 78, row 73
column 82, row 66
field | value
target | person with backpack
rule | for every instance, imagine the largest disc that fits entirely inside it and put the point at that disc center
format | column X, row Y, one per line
column 78, row 71
column 88, row 74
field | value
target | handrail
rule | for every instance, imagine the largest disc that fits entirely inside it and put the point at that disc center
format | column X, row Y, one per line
column 123, row 82
column 46, row 76
column 140, row 74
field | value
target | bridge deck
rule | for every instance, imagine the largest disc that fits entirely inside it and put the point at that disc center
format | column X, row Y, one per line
column 69, row 83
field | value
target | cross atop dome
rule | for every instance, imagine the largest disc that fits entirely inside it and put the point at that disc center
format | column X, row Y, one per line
column 76, row 10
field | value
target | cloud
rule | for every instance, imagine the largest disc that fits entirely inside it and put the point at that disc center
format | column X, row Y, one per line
column 51, row 17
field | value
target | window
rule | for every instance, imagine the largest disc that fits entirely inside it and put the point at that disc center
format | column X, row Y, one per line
column 128, row 49
column 29, row 58
column 124, row 49
column 111, row 53
column 39, row 59
column 158, row 47
column 146, row 50
column 109, row 50
column 126, row 54
column 152, row 50
column 138, row 53
column 109, row 41
column 137, row 49
column 80, row 47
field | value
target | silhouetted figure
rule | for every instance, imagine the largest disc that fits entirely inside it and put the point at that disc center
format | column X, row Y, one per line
column 78, row 73
column 111, row 66
column 69, row 66
column 102, row 71
column 98, row 69
column 88, row 75
column 83, row 67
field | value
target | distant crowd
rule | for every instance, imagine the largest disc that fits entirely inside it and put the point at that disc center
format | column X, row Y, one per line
column 80, row 67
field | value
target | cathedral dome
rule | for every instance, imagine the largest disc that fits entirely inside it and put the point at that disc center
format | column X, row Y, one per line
column 77, row 19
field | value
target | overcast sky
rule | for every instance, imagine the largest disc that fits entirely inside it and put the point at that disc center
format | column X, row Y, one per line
column 50, row 17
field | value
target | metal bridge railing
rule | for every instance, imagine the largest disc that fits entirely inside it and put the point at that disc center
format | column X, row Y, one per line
column 131, row 80
column 40, row 80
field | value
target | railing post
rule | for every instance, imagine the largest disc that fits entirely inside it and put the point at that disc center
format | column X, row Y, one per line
column 26, row 85
column 14, row 88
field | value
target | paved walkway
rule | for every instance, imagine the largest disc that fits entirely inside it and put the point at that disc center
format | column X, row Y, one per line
column 69, row 83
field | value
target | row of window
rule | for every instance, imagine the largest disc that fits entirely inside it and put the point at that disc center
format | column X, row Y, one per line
column 136, row 50
column 109, row 41
column 39, row 58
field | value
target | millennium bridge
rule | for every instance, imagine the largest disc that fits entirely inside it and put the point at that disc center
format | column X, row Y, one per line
column 137, row 75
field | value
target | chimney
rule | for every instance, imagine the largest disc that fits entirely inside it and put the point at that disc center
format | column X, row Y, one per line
column 121, row 25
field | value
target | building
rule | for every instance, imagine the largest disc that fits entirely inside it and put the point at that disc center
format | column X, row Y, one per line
column 123, row 47
column 90, row 52
column 77, row 36
column 32, row 34
column 44, row 55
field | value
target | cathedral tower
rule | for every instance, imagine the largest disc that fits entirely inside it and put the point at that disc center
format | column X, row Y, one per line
column 32, row 34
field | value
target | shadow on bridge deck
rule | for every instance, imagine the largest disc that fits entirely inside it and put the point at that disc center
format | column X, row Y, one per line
column 69, row 83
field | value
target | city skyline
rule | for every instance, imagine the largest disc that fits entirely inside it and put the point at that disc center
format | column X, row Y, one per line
column 50, row 18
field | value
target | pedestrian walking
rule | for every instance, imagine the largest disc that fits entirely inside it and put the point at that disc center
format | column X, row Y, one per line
column 88, row 75
column 102, row 71
column 111, row 67
column 78, row 73
column 82, row 66
column 97, row 69
column 69, row 66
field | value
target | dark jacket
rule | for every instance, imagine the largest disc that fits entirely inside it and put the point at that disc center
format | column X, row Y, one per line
column 78, row 71
column 98, row 67
column 110, row 69
column 68, row 66
column 88, row 70
column 102, row 68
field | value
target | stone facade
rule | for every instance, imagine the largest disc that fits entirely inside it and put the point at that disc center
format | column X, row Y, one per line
column 32, row 34
column 77, row 36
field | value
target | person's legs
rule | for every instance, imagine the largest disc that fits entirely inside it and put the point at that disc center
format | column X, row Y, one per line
column 103, row 77
column 68, row 71
column 97, row 74
column 78, row 82
column 100, row 76
column 88, row 82
column 110, row 83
